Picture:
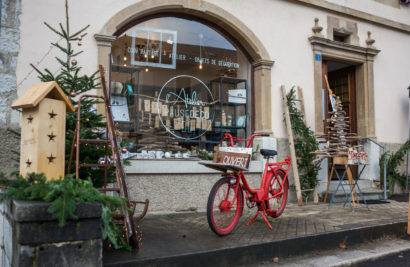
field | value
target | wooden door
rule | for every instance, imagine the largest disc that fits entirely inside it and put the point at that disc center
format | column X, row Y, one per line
column 342, row 82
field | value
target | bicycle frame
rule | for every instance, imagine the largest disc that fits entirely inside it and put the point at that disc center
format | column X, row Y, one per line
column 259, row 195
column 269, row 167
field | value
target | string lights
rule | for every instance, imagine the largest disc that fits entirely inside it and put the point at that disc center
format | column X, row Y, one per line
column 38, row 63
column 200, row 50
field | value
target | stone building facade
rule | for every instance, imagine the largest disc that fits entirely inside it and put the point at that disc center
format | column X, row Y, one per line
column 9, row 50
column 292, row 42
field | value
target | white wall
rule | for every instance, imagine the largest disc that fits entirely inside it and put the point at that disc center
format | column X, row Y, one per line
column 36, row 37
column 283, row 27
column 401, row 14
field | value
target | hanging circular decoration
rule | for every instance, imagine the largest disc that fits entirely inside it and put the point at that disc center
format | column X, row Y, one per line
column 189, row 103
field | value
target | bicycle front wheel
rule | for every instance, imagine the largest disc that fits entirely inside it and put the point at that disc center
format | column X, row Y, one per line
column 224, row 207
column 277, row 189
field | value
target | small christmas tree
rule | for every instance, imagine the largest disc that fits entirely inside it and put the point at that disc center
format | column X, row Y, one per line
column 74, row 84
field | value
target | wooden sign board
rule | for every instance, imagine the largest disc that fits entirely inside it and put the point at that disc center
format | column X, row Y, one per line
column 233, row 156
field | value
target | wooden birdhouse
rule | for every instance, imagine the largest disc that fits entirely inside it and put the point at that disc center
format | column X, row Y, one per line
column 42, row 148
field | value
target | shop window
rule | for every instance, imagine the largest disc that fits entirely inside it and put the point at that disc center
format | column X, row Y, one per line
column 177, row 86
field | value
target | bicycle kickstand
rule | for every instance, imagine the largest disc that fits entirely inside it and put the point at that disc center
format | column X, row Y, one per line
column 263, row 216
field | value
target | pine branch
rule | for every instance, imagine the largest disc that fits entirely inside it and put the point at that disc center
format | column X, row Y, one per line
column 36, row 69
column 75, row 35
column 64, row 50
column 54, row 30
column 63, row 31
column 76, row 54
column 305, row 143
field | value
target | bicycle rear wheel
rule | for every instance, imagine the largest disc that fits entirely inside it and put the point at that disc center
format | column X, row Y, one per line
column 276, row 205
column 224, row 208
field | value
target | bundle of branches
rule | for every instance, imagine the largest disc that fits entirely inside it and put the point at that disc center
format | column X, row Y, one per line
column 305, row 143
column 338, row 138
column 393, row 160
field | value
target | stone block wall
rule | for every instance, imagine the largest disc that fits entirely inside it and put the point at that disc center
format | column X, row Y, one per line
column 9, row 49
column 30, row 236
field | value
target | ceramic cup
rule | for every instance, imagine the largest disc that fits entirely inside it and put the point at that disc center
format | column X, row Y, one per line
column 356, row 156
column 159, row 154
column 362, row 158
column 350, row 156
column 151, row 154
column 167, row 154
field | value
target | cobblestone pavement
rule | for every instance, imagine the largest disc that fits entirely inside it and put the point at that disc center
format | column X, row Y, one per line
column 184, row 233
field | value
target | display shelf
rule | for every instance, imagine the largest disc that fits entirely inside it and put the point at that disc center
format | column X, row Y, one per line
column 231, row 108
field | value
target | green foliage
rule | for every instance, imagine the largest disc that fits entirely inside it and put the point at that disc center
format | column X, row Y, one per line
column 305, row 143
column 393, row 160
column 63, row 195
column 73, row 84
column 202, row 153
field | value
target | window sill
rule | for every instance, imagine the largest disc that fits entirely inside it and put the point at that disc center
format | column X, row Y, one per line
column 160, row 166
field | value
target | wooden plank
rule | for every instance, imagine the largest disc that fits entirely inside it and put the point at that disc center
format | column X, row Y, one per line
column 292, row 147
column 222, row 167
column 302, row 104
column 328, row 87
column 328, row 184
column 51, row 138
column 37, row 92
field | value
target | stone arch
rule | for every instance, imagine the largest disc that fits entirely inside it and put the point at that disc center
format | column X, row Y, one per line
column 260, row 58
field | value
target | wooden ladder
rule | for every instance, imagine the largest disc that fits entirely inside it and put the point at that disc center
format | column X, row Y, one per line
column 292, row 144
column 114, row 160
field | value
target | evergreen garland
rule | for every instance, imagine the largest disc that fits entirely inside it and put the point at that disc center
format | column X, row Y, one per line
column 63, row 195
column 393, row 160
column 305, row 143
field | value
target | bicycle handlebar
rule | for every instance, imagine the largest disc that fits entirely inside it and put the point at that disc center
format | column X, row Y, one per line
column 249, row 141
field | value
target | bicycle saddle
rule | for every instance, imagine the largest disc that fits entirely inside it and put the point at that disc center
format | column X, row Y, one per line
column 268, row 152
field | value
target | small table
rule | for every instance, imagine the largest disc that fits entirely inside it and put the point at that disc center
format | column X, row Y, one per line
column 349, row 197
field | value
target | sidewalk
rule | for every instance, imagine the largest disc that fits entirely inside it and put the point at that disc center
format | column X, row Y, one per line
column 185, row 239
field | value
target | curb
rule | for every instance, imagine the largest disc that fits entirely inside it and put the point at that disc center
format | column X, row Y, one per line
column 278, row 248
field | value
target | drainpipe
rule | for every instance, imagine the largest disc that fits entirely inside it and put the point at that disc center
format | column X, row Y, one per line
column 407, row 161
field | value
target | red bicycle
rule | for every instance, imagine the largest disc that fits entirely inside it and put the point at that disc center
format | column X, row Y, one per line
column 226, row 199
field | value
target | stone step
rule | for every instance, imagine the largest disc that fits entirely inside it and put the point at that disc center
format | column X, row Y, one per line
column 368, row 194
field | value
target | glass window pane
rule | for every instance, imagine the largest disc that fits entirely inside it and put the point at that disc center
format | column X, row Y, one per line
column 177, row 85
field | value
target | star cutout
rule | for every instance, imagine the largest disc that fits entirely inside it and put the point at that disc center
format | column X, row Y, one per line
column 52, row 114
column 30, row 119
column 28, row 162
column 51, row 137
column 51, row 158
